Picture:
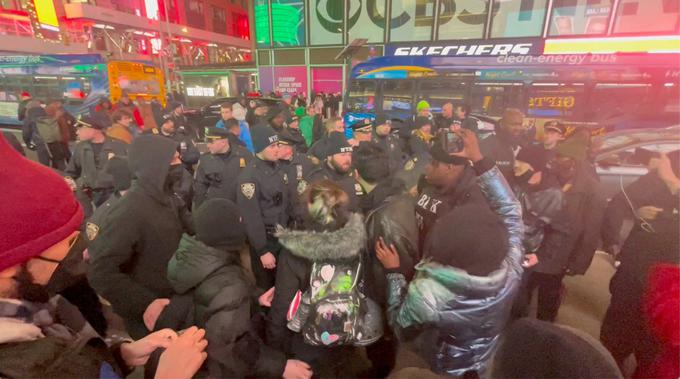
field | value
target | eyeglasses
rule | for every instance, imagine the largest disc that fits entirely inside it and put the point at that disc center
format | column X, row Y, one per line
column 71, row 243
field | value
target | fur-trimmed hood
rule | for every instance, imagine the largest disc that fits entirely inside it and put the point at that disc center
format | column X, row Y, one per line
column 343, row 243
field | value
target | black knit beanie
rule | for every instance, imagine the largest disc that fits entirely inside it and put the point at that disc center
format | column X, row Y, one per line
column 263, row 135
column 455, row 240
column 218, row 224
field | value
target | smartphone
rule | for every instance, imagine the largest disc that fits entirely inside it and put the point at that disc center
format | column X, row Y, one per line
column 452, row 143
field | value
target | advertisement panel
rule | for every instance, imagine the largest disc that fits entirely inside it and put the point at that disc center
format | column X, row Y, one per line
column 326, row 22
column 468, row 48
column 367, row 21
column 283, row 79
column 327, row 79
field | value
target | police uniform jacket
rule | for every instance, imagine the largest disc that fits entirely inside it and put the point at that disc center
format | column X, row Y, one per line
column 88, row 170
column 296, row 170
column 262, row 197
column 390, row 144
column 217, row 174
column 347, row 182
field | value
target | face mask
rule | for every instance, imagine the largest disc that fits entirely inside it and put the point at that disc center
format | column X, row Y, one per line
column 36, row 293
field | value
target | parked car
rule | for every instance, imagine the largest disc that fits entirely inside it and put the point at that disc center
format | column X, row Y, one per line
column 616, row 161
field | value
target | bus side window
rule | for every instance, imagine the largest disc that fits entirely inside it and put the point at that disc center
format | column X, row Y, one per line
column 492, row 98
column 398, row 95
column 361, row 96
column 440, row 91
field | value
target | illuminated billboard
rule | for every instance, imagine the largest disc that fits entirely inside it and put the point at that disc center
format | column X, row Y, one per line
column 47, row 15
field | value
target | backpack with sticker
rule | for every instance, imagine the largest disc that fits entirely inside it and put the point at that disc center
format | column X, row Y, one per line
column 333, row 311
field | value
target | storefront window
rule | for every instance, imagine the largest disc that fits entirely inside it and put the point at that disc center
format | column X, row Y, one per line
column 195, row 13
column 288, row 20
column 219, row 20
column 518, row 18
column 461, row 19
column 262, row 23
column 326, row 18
column 366, row 20
column 411, row 20
column 650, row 16
column 578, row 17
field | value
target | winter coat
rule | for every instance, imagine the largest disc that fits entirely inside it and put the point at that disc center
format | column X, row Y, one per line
column 301, row 249
column 53, row 340
column 458, row 317
column 307, row 128
column 83, row 166
column 643, row 249
column 222, row 305
column 29, row 131
column 120, row 133
column 502, row 149
column 139, row 236
column 390, row 214
column 585, row 207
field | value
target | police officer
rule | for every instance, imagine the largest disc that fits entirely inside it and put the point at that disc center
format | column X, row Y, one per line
column 337, row 167
column 362, row 131
column 262, row 198
column 188, row 152
column 383, row 137
column 296, row 165
column 293, row 127
column 85, row 172
column 276, row 118
column 218, row 170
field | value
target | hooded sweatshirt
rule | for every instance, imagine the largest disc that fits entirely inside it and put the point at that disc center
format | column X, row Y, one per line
column 135, row 243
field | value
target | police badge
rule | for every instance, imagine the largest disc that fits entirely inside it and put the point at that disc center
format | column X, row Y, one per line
column 91, row 230
column 248, row 190
column 302, row 186
column 285, row 178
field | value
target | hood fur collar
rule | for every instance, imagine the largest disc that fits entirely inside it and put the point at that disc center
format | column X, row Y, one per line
column 317, row 246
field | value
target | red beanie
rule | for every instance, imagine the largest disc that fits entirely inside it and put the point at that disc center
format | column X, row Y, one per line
column 25, row 94
column 38, row 208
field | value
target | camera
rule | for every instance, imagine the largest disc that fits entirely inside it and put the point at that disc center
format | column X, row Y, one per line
column 452, row 143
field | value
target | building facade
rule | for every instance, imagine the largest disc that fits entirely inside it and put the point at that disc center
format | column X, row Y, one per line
column 297, row 41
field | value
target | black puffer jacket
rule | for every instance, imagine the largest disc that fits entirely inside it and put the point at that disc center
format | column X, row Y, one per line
column 222, row 305
column 137, row 239
column 390, row 214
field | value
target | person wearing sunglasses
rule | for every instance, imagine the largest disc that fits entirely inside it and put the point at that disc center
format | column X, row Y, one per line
column 41, row 335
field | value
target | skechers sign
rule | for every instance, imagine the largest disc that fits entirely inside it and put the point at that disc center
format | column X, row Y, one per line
column 470, row 48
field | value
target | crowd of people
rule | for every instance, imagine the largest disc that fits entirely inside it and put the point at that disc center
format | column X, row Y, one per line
column 287, row 249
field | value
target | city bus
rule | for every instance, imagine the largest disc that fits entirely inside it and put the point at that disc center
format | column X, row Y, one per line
column 603, row 92
column 80, row 80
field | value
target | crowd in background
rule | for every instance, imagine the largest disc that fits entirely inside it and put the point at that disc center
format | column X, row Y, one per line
column 285, row 248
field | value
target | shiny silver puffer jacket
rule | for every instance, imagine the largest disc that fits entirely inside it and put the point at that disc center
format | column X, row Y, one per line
column 456, row 317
